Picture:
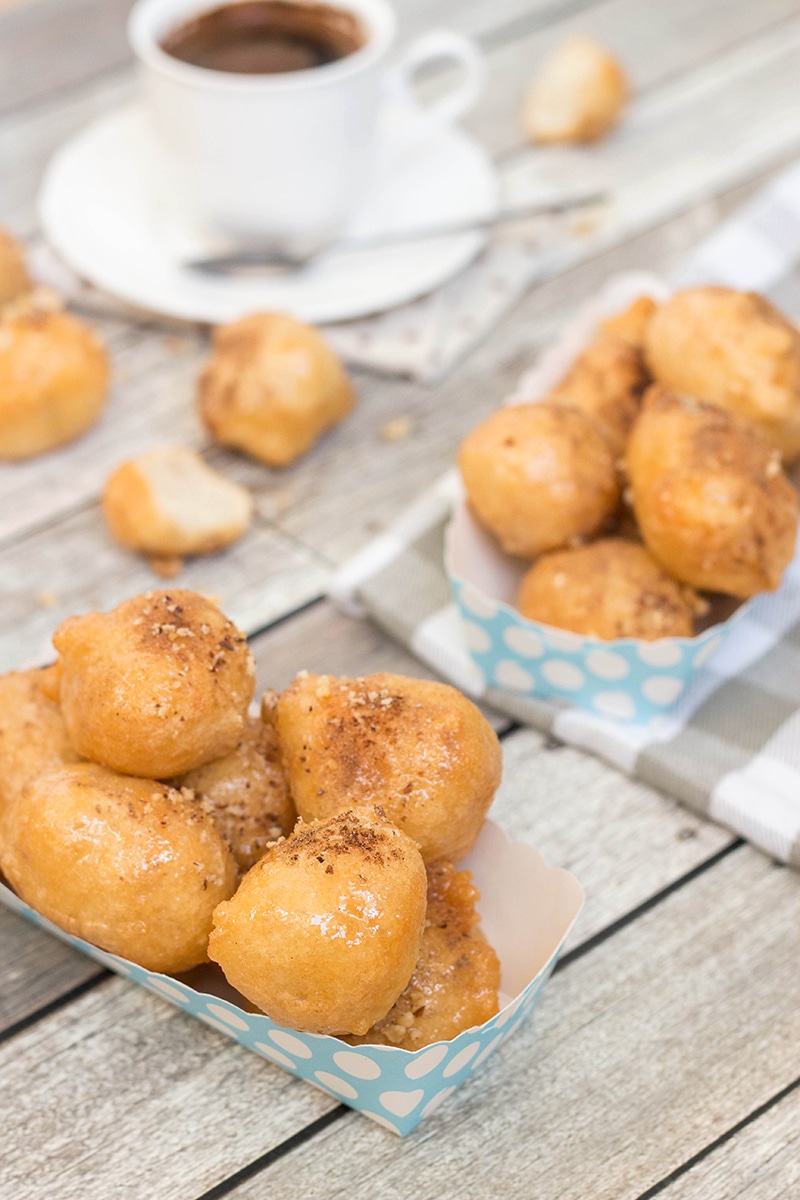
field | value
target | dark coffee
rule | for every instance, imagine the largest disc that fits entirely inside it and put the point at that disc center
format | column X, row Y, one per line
column 266, row 37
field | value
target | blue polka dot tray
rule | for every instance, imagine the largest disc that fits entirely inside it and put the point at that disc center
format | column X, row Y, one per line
column 527, row 910
column 627, row 679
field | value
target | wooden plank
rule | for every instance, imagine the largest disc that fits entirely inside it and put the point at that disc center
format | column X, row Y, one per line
column 121, row 1092
column 656, row 43
column 37, row 969
column 760, row 1163
column 120, row 1086
column 641, row 1053
column 74, row 566
column 625, row 840
column 48, row 45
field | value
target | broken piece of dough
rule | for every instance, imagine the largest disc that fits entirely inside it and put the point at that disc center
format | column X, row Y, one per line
column 578, row 95
column 167, row 503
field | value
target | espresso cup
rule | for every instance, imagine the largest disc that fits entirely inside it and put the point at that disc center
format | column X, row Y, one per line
column 284, row 159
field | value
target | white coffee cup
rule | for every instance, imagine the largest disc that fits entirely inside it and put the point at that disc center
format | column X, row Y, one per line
column 284, row 158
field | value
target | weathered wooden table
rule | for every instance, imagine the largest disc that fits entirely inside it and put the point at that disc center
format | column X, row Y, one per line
column 665, row 1055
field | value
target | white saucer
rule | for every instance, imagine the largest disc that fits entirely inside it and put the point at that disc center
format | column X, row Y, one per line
column 101, row 210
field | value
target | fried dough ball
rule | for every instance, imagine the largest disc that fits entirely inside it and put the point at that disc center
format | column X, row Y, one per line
column 735, row 350
column 14, row 278
column 578, row 95
column 710, row 497
column 33, row 736
column 272, row 387
column 53, row 378
column 455, row 982
column 155, row 687
column 246, row 793
column 606, row 384
column 632, row 323
column 419, row 749
column 610, row 589
column 129, row 864
column 539, row 476
column 324, row 931
column 168, row 502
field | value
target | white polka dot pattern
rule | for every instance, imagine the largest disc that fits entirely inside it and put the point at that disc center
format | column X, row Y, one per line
column 477, row 639
column 334, row 1083
column 563, row 675
column 290, row 1043
column 524, row 642
column 606, row 664
column 395, row 1088
column 615, row 704
column 511, row 675
column 531, row 659
column 356, row 1065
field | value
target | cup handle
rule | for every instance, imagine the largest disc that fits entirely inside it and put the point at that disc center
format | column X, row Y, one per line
column 434, row 46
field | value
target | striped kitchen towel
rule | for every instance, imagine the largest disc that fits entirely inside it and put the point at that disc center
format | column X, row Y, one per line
column 731, row 749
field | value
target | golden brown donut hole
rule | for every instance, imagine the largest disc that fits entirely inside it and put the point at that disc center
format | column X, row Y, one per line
column 610, row 589
column 54, row 377
column 129, row 864
column 156, row 687
column 737, row 351
column 323, row 933
column 420, row 749
column 710, row 497
column 538, row 476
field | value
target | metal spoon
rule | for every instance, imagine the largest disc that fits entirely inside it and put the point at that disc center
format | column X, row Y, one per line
column 280, row 260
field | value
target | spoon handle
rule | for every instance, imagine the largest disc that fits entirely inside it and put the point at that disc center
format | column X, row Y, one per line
column 271, row 257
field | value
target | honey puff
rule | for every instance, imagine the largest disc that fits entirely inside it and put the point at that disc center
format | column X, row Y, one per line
column 419, row 749
column 272, row 387
column 710, row 497
column 54, row 376
column 156, row 687
column 33, row 736
column 737, row 351
column 539, row 476
column 610, row 589
column 606, row 384
column 324, row 932
column 246, row 793
column 131, row 865
column 14, row 278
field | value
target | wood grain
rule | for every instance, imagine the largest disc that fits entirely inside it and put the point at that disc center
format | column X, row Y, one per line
column 74, row 566
column 656, row 43
column 640, row 1054
column 120, row 1085
column 69, row 41
column 123, row 1087
column 760, row 1163
column 37, row 969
